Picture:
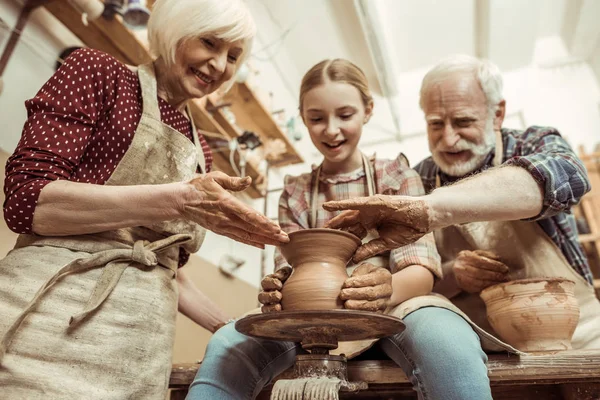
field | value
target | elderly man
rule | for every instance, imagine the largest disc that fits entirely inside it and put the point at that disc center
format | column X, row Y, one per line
column 498, row 199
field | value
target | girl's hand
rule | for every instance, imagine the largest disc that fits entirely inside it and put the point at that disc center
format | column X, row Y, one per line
column 270, row 295
column 368, row 289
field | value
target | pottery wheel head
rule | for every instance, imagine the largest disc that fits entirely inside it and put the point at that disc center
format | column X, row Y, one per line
column 327, row 325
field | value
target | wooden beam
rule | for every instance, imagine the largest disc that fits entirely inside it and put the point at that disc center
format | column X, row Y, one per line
column 581, row 30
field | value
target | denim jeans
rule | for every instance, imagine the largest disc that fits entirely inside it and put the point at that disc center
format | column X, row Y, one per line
column 438, row 351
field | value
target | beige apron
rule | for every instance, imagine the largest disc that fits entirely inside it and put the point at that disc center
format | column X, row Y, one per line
column 93, row 316
column 529, row 253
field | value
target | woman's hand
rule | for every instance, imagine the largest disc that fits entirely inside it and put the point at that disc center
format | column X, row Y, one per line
column 209, row 204
column 399, row 220
column 270, row 295
column 368, row 289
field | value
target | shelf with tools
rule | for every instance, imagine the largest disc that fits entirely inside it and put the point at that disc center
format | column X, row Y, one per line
column 209, row 115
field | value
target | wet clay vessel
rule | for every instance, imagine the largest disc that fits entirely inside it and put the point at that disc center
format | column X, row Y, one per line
column 318, row 258
column 533, row 314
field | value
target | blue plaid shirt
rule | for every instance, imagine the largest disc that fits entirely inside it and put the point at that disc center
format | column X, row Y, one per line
column 554, row 165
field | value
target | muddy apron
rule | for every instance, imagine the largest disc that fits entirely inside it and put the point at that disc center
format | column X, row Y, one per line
column 529, row 253
column 93, row 316
column 354, row 348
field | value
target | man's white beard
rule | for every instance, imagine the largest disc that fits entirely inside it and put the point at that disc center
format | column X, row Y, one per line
column 479, row 152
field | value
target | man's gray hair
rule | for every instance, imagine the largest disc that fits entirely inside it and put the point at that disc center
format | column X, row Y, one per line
column 486, row 72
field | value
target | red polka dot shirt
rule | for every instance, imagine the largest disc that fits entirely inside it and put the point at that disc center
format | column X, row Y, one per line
column 79, row 126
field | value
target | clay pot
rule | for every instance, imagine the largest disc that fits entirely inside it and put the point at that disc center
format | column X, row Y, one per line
column 533, row 314
column 318, row 258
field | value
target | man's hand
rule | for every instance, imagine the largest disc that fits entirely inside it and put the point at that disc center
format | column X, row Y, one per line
column 477, row 270
column 368, row 289
column 211, row 205
column 270, row 295
column 399, row 220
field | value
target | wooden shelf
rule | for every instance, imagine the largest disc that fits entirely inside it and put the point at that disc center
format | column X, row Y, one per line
column 204, row 120
column 252, row 115
column 113, row 37
column 109, row 36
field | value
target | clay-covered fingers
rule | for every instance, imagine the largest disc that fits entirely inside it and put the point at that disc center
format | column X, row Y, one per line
column 248, row 219
column 283, row 273
column 345, row 219
column 270, row 282
column 239, row 230
column 357, row 230
column 356, row 203
column 232, row 183
column 371, row 249
column 368, row 274
column 275, row 280
column 487, row 254
column 367, row 293
column 378, row 305
column 475, row 272
column 269, row 297
column 483, row 260
column 270, row 308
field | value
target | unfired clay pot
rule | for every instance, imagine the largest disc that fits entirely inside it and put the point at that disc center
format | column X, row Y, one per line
column 533, row 314
column 318, row 258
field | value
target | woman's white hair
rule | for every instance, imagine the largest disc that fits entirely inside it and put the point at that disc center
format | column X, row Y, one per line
column 486, row 72
column 173, row 22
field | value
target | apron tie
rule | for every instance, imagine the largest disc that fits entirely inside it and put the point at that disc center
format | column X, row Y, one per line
column 142, row 255
column 114, row 261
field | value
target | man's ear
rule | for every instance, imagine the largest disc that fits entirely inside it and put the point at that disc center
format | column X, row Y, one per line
column 499, row 115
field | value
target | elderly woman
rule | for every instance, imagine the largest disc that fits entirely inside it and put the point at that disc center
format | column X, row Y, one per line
column 111, row 190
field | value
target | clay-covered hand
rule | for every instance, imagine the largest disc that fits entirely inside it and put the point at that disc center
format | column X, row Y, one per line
column 211, row 205
column 399, row 220
column 368, row 289
column 479, row 269
column 270, row 295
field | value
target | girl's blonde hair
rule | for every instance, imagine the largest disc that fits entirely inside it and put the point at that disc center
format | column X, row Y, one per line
column 337, row 70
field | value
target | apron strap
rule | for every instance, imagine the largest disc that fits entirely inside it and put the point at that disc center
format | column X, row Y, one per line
column 151, row 109
column 314, row 193
column 199, row 150
column 114, row 261
column 149, row 91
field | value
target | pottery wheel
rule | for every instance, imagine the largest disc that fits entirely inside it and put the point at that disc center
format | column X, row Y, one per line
column 320, row 328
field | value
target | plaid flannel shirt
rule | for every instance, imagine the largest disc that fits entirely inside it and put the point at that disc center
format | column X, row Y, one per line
column 392, row 177
column 554, row 165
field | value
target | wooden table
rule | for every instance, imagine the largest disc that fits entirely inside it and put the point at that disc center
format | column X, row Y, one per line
column 571, row 375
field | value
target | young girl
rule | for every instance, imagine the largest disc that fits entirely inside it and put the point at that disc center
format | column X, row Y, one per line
column 438, row 351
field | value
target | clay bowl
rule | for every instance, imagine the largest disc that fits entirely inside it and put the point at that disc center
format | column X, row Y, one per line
column 318, row 258
column 533, row 315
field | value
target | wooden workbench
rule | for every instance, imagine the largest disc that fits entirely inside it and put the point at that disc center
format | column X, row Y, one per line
column 564, row 375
